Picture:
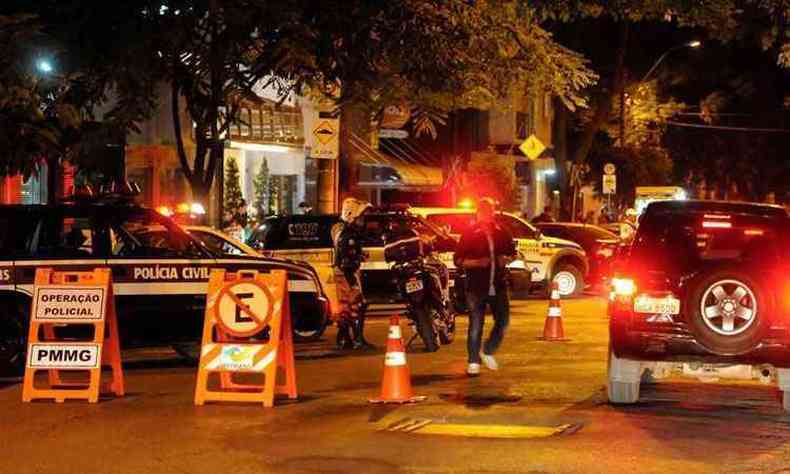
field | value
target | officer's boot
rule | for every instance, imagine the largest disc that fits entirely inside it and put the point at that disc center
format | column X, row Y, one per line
column 345, row 340
column 359, row 332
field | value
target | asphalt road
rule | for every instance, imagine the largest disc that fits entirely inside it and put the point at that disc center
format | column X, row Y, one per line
column 678, row 426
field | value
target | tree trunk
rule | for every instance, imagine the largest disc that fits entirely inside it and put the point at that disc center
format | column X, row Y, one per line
column 354, row 135
column 560, row 139
column 603, row 105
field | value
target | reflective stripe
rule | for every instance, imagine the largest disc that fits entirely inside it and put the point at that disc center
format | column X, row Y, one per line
column 555, row 312
column 395, row 359
column 394, row 332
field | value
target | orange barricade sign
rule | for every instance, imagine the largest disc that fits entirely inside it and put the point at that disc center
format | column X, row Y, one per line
column 246, row 330
column 73, row 327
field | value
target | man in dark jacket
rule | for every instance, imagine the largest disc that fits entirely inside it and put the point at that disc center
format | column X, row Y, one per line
column 484, row 251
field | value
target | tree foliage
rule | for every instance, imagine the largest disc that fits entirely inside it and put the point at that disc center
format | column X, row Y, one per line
column 36, row 124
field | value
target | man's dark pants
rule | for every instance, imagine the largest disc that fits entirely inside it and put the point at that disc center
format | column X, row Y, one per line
column 500, row 307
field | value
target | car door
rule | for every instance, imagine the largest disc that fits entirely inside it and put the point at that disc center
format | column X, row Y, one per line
column 160, row 275
column 527, row 243
column 64, row 238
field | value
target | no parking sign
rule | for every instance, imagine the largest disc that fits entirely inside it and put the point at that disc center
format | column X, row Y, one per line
column 247, row 329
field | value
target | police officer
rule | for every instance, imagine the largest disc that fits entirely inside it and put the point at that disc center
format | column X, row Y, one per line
column 347, row 236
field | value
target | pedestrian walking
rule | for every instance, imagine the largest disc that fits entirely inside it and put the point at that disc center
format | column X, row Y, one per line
column 483, row 253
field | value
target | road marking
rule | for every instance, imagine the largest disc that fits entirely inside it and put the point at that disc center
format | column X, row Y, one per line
column 426, row 426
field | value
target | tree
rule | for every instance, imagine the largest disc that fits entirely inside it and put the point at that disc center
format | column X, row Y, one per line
column 434, row 56
column 233, row 197
column 261, row 188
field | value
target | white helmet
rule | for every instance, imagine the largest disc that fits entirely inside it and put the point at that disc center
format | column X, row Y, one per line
column 353, row 208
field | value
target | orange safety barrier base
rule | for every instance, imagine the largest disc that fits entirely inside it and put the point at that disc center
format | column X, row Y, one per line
column 104, row 346
column 232, row 352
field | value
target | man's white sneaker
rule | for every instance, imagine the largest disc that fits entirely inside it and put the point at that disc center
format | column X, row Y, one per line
column 473, row 369
column 489, row 361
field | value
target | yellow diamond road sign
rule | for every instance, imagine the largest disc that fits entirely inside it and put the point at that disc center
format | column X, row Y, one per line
column 325, row 132
column 532, row 147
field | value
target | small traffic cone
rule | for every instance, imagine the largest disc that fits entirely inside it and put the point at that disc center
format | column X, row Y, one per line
column 396, row 382
column 552, row 329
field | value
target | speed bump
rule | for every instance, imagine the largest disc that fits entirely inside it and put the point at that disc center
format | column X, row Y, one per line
column 426, row 426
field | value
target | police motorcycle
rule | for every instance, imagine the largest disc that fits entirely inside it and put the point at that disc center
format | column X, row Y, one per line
column 424, row 283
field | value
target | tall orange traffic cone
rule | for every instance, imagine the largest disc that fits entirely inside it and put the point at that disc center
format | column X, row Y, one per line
column 552, row 329
column 396, row 382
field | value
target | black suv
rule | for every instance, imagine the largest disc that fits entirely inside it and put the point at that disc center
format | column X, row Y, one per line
column 160, row 272
column 704, row 289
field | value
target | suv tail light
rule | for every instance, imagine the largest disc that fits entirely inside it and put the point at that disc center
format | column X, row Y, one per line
column 623, row 287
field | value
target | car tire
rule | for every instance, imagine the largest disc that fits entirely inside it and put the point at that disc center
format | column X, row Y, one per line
column 569, row 279
column 13, row 338
column 623, row 380
column 424, row 326
column 727, row 311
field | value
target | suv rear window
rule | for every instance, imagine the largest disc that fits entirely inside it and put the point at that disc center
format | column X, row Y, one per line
column 294, row 233
column 684, row 238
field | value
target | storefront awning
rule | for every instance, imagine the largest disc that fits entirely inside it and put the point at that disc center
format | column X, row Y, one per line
column 394, row 172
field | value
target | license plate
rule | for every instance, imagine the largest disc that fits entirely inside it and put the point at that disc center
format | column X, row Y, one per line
column 413, row 285
column 657, row 305
column 451, row 283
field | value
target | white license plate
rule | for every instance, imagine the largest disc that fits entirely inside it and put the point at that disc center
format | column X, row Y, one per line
column 413, row 285
column 655, row 305
column 451, row 283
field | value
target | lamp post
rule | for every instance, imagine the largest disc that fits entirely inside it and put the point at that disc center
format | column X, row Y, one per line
column 690, row 44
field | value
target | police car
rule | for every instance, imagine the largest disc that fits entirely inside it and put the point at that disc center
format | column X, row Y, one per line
column 159, row 271
column 545, row 258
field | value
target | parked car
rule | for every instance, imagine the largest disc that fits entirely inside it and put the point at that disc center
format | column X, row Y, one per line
column 703, row 292
column 545, row 258
column 159, row 272
column 600, row 245
column 308, row 238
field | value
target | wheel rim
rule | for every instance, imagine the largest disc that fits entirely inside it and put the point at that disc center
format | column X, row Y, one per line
column 728, row 307
column 566, row 282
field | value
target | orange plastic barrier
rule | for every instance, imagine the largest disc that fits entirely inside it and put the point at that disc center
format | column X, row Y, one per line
column 67, row 299
column 246, row 330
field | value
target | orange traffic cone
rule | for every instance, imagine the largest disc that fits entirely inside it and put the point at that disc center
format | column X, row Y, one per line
column 552, row 329
column 396, row 382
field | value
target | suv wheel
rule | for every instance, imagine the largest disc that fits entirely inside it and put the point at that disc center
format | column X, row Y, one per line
column 569, row 279
column 624, row 376
column 13, row 340
column 726, row 311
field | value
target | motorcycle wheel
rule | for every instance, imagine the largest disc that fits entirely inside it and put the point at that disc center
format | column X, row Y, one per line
column 445, row 328
column 423, row 320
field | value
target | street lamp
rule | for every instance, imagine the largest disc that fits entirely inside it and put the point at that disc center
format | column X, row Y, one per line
column 44, row 66
column 690, row 44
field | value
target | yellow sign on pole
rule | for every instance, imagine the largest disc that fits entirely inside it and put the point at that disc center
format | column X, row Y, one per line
column 532, row 147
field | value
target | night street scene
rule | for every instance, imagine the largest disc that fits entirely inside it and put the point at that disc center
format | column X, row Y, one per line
column 403, row 236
